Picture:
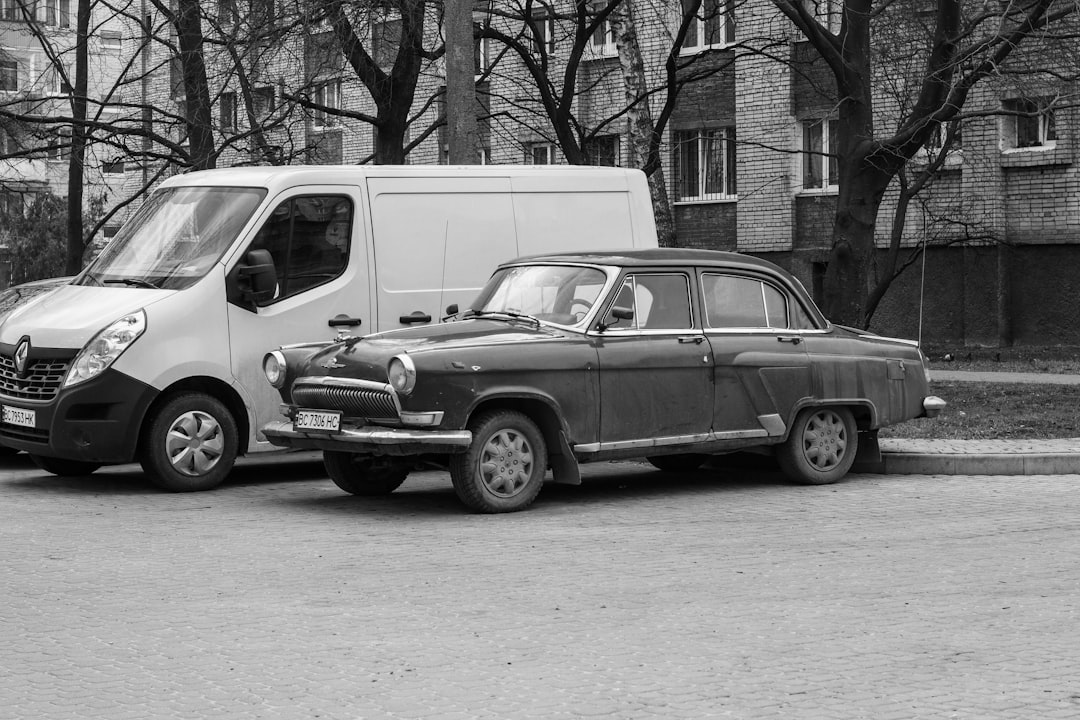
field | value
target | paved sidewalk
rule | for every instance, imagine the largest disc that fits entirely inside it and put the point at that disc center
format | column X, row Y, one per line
column 985, row 457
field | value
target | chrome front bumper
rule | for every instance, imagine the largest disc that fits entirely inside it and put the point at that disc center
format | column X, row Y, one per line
column 376, row 440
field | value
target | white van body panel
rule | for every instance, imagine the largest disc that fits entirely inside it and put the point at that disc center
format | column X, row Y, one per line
column 188, row 334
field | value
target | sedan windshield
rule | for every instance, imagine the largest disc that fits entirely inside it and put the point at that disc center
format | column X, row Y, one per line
column 557, row 294
column 175, row 237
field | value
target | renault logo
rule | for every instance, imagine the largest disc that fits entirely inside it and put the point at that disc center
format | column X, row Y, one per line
column 21, row 354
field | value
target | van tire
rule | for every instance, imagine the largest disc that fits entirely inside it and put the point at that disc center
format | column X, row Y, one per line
column 821, row 446
column 64, row 467
column 504, row 467
column 364, row 475
column 189, row 443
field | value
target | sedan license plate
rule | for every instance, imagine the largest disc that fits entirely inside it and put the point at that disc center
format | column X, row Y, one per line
column 19, row 416
column 317, row 421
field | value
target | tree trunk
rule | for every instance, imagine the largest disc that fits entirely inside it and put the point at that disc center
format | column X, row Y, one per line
column 639, row 118
column 196, row 88
column 77, row 159
column 460, row 83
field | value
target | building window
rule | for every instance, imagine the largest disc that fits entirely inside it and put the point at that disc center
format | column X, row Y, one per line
column 819, row 166
column 705, row 164
column 58, row 13
column 385, row 41
column 114, row 167
column 328, row 95
column 7, row 144
column 57, row 81
column 9, row 75
column 228, row 13
column 11, row 204
column 227, row 112
column 603, row 39
column 263, row 101
column 59, row 145
column 603, row 150
column 827, row 13
column 481, row 55
column 542, row 153
column 262, row 13
column 543, row 33
column 18, row 10
column 111, row 40
column 1029, row 124
column 714, row 25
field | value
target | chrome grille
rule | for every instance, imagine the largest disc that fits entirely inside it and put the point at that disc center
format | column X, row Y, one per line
column 41, row 381
column 368, row 402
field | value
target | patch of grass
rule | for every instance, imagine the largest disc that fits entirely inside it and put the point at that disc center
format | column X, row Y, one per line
column 985, row 411
column 1063, row 359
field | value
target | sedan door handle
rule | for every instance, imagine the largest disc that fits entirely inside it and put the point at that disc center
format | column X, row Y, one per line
column 417, row 316
column 696, row 339
column 793, row 339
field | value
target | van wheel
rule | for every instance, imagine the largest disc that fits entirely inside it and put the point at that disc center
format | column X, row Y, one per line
column 504, row 467
column 64, row 467
column 190, row 443
column 364, row 474
column 821, row 446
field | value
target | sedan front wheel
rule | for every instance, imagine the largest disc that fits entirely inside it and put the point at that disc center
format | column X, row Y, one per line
column 504, row 467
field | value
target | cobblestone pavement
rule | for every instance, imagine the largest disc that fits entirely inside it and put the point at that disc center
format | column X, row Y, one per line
column 637, row 595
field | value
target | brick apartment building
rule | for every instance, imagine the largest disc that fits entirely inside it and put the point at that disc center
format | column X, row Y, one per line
column 742, row 155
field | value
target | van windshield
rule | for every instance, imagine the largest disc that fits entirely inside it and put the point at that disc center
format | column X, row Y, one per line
column 175, row 238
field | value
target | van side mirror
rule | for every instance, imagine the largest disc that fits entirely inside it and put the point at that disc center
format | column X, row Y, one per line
column 257, row 275
column 452, row 309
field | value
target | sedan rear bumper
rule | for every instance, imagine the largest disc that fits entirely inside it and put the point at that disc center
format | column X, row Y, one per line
column 932, row 406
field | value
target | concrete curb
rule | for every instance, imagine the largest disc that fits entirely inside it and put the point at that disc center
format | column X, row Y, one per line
column 917, row 463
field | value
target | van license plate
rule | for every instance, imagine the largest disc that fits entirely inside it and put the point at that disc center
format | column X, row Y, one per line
column 19, row 416
column 317, row 421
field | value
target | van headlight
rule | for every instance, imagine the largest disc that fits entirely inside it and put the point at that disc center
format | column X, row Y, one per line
column 107, row 345
column 274, row 367
column 402, row 374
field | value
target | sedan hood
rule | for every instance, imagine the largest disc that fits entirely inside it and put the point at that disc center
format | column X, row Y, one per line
column 368, row 356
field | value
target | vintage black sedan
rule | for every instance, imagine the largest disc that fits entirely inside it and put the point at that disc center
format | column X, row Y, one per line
column 672, row 355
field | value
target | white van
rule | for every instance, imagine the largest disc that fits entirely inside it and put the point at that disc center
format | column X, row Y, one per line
column 153, row 353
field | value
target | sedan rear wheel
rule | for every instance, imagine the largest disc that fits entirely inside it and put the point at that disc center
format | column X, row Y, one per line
column 821, row 447
column 364, row 475
column 504, row 467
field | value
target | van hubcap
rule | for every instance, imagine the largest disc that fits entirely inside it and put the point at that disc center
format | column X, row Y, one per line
column 194, row 443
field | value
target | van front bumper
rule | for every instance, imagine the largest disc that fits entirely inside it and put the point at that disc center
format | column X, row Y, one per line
column 370, row 440
column 96, row 421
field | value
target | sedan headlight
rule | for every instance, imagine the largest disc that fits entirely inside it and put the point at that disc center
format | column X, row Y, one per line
column 402, row 374
column 107, row 345
column 274, row 367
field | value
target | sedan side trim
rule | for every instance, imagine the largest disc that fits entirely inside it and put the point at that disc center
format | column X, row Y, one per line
column 586, row 448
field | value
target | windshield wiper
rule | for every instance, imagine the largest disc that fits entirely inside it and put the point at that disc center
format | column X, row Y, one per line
column 133, row 282
column 504, row 314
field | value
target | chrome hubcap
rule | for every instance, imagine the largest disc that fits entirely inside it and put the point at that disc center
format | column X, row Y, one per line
column 824, row 440
column 194, row 443
column 506, row 463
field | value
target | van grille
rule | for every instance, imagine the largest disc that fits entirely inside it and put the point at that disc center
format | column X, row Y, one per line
column 41, row 381
column 367, row 402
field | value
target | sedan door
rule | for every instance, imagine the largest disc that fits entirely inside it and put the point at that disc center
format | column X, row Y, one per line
column 762, row 369
column 655, row 365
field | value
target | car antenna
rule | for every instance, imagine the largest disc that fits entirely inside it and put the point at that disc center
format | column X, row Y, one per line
column 442, row 280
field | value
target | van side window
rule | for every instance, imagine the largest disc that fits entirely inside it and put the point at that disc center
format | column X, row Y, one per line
column 308, row 237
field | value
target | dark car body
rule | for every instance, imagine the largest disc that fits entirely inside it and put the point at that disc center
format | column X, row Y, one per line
column 668, row 354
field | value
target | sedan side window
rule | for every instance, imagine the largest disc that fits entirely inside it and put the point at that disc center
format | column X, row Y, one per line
column 659, row 301
column 740, row 302
column 308, row 237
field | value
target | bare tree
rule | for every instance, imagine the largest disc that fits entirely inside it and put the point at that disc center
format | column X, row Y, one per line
column 966, row 44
